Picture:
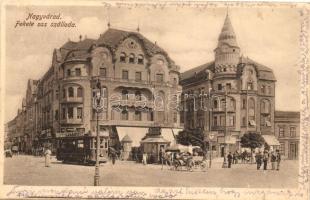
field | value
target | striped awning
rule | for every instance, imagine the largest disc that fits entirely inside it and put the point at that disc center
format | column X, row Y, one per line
column 271, row 140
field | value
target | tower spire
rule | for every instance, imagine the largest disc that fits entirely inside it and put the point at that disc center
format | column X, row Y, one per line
column 227, row 52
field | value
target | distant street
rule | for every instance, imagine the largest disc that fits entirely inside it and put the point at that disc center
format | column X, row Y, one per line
column 29, row 170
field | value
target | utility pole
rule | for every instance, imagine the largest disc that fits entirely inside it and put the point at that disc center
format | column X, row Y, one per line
column 97, row 105
column 225, row 131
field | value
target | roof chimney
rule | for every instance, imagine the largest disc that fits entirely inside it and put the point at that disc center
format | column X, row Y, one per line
column 80, row 38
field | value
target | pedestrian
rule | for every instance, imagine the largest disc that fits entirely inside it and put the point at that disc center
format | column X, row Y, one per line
column 278, row 159
column 161, row 157
column 258, row 158
column 144, row 158
column 273, row 159
column 265, row 160
column 113, row 155
column 234, row 157
column 229, row 158
column 47, row 155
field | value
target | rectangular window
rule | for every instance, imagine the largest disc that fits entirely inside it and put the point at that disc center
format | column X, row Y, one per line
column 68, row 72
column 79, row 113
column 124, row 115
column 56, row 114
column 292, row 131
column 138, row 76
column 70, row 112
column 281, row 131
column 228, row 86
column 250, row 86
column 243, row 103
column 138, row 116
column 150, row 116
column 159, row 78
column 125, row 74
column 175, row 117
column 219, row 86
column 243, row 121
column 231, row 120
column 77, row 72
column 215, row 121
column 263, row 89
column 103, row 72
column 63, row 113
column 282, row 148
column 222, row 121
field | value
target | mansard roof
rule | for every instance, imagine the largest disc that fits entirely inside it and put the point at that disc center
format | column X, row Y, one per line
column 264, row 73
column 197, row 71
column 111, row 38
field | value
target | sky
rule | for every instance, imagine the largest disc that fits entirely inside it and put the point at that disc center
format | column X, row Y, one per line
column 268, row 35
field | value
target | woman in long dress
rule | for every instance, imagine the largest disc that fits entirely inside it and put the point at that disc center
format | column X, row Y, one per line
column 47, row 154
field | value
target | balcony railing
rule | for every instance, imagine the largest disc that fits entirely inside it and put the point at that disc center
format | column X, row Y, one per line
column 72, row 100
column 135, row 81
column 71, row 121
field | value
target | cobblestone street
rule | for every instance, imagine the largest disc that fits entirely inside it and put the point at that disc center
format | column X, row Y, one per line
column 29, row 170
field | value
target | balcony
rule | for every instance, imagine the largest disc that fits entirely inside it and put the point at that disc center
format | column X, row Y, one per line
column 222, row 109
column 136, row 82
column 133, row 103
column 71, row 121
column 72, row 100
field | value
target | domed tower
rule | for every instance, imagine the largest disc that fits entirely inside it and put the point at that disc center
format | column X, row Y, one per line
column 227, row 52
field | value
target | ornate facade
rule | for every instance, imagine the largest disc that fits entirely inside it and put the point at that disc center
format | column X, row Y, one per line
column 231, row 95
column 137, row 80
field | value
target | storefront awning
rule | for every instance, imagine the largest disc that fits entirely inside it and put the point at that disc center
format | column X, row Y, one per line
column 136, row 134
column 169, row 134
column 155, row 140
column 271, row 140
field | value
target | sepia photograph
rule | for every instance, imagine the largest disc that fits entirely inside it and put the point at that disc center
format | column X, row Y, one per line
column 154, row 96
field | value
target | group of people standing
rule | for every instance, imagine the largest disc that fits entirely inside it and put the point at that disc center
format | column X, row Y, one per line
column 260, row 158
column 264, row 158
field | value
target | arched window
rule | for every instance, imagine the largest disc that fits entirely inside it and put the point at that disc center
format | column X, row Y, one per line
column 124, row 115
column 79, row 92
column 131, row 58
column 232, row 104
column 251, row 107
column 265, row 106
column 70, row 92
column 138, row 116
column 215, row 104
column 140, row 59
column 122, row 57
column 68, row 72
column 138, row 95
column 124, row 94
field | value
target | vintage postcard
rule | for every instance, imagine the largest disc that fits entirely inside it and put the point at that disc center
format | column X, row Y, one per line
column 144, row 100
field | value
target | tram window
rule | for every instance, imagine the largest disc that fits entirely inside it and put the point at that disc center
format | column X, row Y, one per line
column 80, row 144
column 101, row 142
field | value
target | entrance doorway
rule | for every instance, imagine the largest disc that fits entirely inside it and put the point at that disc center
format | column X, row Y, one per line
column 293, row 151
column 222, row 150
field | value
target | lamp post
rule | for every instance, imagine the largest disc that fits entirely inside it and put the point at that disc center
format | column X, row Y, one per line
column 225, row 124
column 97, row 105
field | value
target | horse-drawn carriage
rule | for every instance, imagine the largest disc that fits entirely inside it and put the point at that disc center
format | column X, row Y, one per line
column 180, row 157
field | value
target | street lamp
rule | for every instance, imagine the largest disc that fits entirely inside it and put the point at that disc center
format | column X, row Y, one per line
column 225, row 125
column 97, row 105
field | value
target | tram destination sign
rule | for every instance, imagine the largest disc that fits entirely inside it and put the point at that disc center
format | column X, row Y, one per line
column 70, row 134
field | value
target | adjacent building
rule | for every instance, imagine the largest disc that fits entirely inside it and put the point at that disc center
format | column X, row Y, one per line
column 230, row 96
column 287, row 129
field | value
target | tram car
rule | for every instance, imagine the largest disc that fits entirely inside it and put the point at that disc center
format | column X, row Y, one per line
column 80, row 148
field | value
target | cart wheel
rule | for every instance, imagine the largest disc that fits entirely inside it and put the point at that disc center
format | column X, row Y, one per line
column 203, row 167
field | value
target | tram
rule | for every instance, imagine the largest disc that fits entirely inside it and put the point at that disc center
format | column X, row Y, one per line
column 81, row 148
